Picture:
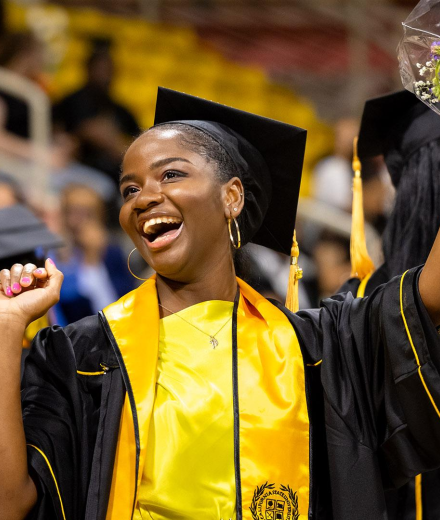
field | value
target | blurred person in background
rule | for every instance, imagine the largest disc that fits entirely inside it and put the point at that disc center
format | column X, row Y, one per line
column 24, row 241
column 331, row 256
column 332, row 175
column 103, row 127
column 378, row 192
column 406, row 133
column 23, row 54
column 94, row 265
column 330, row 252
column 10, row 191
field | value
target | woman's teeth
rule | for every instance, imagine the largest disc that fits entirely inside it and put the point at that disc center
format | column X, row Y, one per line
column 149, row 225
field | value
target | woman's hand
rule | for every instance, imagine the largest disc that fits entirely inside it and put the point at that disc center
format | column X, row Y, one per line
column 28, row 292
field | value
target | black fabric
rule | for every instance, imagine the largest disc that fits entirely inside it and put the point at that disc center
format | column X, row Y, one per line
column 72, row 418
column 269, row 153
column 372, row 423
column 400, row 502
column 396, row 126
column 381, row 428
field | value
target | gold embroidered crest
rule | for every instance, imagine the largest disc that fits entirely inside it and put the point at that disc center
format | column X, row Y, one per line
column 274, row 503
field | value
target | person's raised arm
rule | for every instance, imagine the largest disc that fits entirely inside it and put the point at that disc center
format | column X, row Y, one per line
column 429, row 283
column 26, row 294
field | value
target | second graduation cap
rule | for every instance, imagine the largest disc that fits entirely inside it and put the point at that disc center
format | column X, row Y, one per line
column 22, row 232
column 396, row 126
column 268, row 153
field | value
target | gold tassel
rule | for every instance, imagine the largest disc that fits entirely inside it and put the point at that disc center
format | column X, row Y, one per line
column 295, row 274
column 361, row 263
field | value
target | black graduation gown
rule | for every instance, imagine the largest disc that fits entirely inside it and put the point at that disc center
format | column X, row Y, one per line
column 401, row 503
column 374, row 421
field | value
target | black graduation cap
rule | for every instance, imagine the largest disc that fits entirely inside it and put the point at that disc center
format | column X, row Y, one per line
column 21, row 232
column 268, row 153
column 396, row 125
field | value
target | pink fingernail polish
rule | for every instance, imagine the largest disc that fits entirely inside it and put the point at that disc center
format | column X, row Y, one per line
column 52, row 262
column 16, row 287
column 38, row 271
column 26, row 280
column 8, row 291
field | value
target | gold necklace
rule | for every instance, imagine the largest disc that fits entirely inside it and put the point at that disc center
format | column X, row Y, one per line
column 212, row 337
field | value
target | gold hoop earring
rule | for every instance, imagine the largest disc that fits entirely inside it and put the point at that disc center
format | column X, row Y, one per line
column 238, row 245
column 128, row 265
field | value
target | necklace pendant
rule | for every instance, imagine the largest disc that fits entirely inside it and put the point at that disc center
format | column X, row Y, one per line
column 213, row 341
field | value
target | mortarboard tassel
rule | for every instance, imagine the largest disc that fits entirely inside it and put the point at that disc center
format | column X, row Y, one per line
column 361, row 263
column 295, row 274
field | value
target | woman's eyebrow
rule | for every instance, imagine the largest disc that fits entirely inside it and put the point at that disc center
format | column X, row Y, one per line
column 127, row 178
column 163, row 162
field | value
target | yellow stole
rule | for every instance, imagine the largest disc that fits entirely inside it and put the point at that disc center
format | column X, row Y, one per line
column 33, row 328
column 272, row 425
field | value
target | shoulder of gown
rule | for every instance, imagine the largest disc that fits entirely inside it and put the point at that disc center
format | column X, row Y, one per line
column 72, row 396
column 376, row 363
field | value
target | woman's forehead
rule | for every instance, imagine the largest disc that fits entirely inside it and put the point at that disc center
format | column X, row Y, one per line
column 157, row 144
column 153, row 141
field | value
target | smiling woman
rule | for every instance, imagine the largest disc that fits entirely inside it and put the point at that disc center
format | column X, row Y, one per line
column 190, row 193
column 195, row 397
column 174, row 205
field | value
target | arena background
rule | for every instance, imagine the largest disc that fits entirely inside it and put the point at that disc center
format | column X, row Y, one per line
column 311, row 63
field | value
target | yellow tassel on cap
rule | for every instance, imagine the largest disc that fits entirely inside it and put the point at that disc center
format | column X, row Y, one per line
column 295, row 274
column 361, row 263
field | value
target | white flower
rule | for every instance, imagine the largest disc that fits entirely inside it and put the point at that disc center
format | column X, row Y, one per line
column 418, row 65
column 429, row 63
column 422, row 71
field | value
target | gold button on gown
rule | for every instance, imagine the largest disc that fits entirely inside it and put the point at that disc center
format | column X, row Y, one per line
column 189, row 469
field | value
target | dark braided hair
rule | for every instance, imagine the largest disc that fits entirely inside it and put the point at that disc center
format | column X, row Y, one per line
column 415, row 219
column 203, row 144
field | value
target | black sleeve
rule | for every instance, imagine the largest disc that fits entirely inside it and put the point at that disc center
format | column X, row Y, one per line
column 60, row 417
column 413, row 360
column 380, row 376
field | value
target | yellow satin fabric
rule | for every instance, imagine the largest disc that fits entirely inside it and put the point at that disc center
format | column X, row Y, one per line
column 136, row 332
column 189, row 466
column 273, row 419
column 33, row 328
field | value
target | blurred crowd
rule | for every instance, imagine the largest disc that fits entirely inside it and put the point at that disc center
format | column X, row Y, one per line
column 90, row 132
